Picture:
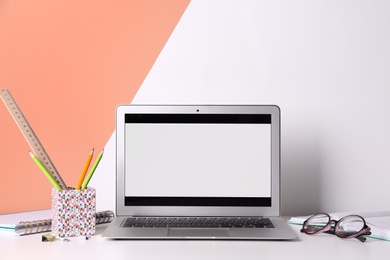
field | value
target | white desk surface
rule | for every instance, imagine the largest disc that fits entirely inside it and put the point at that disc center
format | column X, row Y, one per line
column 306, row 247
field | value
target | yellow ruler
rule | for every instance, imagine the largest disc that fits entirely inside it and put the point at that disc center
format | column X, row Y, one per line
column 30, row 136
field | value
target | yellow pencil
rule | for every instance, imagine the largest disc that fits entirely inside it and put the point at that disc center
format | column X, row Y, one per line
column 88, row 162
column 89, row 176
column 46, row 172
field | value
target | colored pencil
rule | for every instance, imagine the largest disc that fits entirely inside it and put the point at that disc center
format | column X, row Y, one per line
column 91, row 172
column 45, row 171
column 84, row 172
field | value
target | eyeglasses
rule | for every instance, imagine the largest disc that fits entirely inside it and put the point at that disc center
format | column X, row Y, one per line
column 352, row 226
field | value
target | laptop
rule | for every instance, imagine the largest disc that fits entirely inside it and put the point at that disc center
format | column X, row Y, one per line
column 198, row 172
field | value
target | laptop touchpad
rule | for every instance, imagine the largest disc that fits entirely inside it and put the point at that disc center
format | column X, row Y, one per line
column 198, row 232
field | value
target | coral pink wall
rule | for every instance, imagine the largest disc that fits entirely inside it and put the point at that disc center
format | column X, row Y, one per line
column 68, row 64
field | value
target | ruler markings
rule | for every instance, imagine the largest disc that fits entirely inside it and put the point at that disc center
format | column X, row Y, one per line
column 30, row 136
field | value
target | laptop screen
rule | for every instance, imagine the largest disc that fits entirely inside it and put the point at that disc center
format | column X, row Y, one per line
column 196, row 159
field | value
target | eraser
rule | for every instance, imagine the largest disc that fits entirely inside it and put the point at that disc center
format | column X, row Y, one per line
column 84, row 237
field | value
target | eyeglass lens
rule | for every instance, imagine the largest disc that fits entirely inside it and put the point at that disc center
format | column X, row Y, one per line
column 316, row 223
column 349, row 226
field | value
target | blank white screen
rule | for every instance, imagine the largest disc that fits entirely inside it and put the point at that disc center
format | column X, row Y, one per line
column 198, row 160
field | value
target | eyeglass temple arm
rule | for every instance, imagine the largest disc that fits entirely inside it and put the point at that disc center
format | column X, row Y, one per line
column 361, row 237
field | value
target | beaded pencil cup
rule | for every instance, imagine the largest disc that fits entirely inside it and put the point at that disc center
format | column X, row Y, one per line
column 73, row 212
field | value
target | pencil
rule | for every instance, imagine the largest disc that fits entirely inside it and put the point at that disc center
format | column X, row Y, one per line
column 89, row 176
column 84, row 172
column 46, row 172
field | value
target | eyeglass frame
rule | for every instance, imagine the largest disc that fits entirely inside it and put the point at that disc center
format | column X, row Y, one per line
column 328, row 227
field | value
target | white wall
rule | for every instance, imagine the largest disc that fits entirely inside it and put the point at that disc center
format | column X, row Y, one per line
column 325, row 63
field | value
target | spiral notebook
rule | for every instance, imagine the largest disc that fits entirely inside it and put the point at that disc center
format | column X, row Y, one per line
column 32, row 222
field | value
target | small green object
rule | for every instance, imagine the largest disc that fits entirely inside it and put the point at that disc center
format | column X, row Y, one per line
column 48, row 237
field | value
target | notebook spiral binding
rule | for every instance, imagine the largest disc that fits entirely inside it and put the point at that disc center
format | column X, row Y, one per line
column 104, row 217
column 38, row 226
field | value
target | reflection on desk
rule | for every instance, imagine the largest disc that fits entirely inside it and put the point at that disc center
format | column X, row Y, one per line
column 323, row 246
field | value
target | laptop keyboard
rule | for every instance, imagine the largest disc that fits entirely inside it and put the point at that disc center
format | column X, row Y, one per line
column 189, row 222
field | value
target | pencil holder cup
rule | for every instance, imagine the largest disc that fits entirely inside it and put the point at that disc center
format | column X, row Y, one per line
column 73, row 212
